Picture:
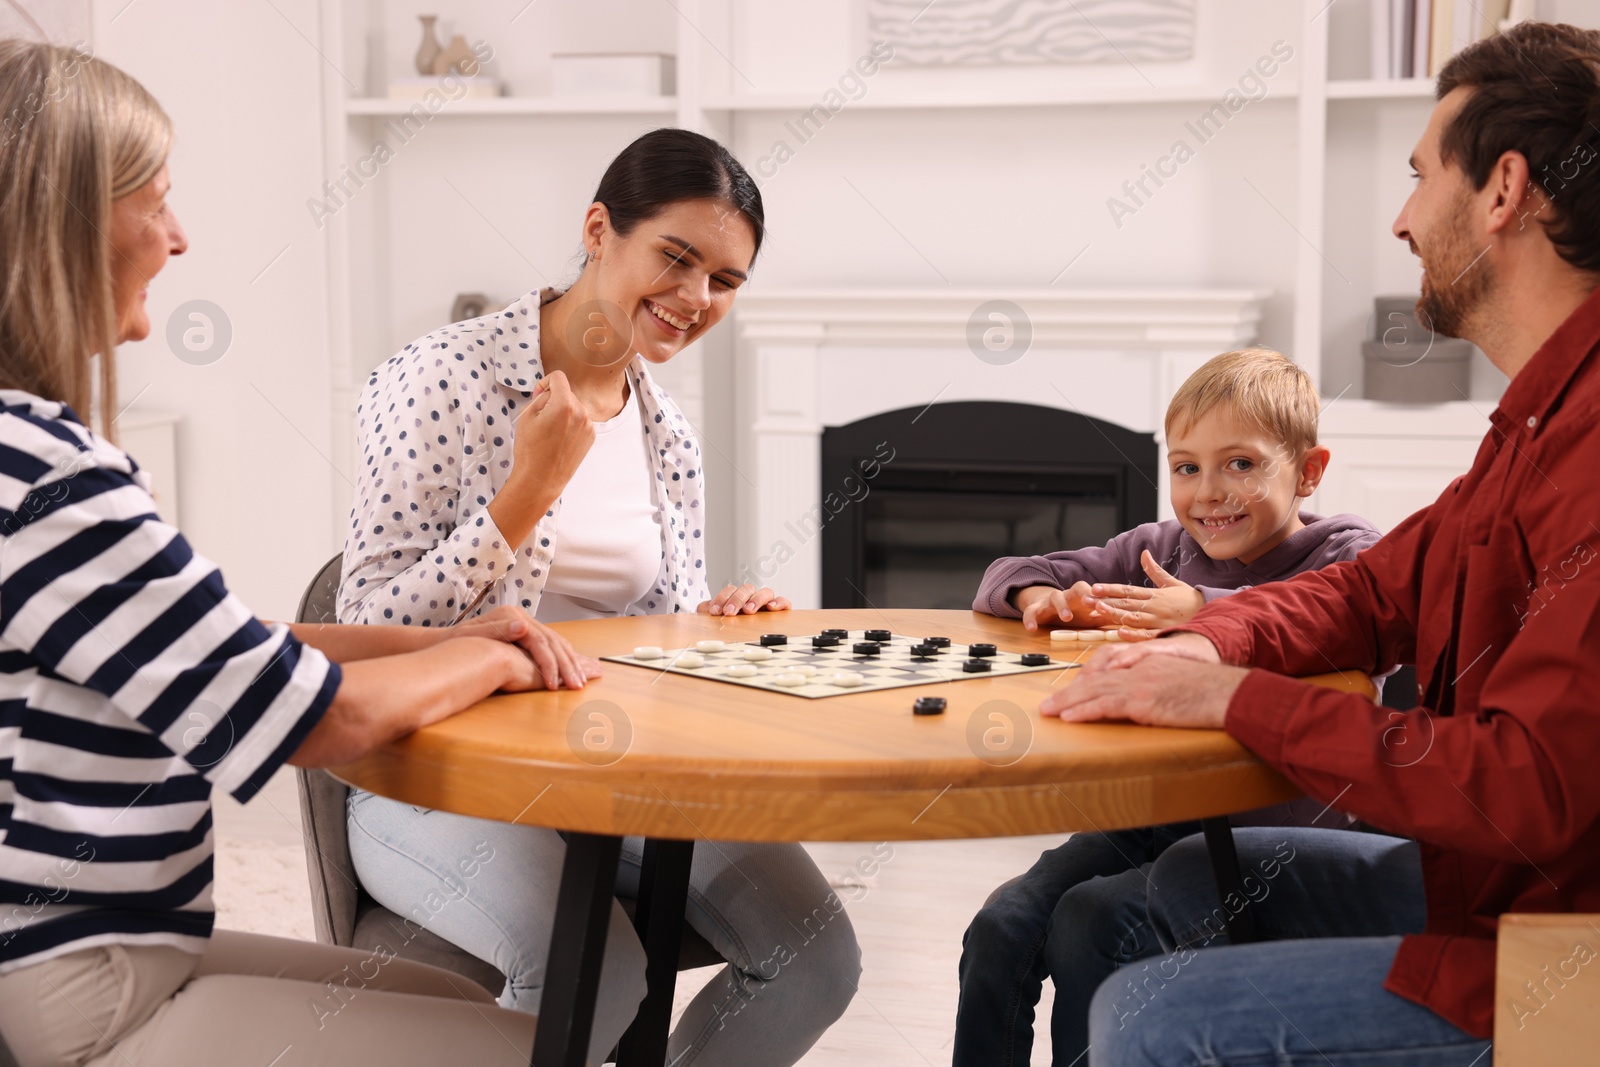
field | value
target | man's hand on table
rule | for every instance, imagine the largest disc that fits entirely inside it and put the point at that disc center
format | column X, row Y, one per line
column 556, row 664
column 1174, row 681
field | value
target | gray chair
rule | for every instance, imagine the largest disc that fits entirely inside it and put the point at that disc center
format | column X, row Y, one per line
column 343, row 911
column 6, row 1058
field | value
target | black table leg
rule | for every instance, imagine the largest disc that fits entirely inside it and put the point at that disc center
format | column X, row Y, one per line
column 1225, row 867
column 663, row 895
column 577, row 946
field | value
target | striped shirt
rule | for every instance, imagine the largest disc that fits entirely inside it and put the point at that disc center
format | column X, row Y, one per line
column 131, row 683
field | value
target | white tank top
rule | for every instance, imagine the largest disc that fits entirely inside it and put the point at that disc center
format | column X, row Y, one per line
column 608, row 543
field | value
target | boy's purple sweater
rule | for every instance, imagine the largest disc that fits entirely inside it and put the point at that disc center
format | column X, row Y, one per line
column 1321, row 542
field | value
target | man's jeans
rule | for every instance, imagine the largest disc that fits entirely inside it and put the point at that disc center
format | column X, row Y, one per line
column 1330, row 906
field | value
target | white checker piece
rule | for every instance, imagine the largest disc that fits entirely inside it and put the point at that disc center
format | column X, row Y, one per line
column 892, row 668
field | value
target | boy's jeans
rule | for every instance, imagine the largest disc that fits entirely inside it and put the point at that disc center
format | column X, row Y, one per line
column 1075, row 915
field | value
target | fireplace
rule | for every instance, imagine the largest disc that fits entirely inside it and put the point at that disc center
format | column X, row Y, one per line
column 938, row 493
column 823, row 376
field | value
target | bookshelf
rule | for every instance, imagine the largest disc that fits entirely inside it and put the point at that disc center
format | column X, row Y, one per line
column 1381, row 89
column 367, row 107
column 705, row 33
column 1341, row 135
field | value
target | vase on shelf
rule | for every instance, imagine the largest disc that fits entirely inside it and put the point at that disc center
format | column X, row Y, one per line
column 430, row 48
column 456, row 56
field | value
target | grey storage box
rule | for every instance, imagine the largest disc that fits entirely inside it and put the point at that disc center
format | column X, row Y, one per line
column 1418, row 373
column 1405, row 362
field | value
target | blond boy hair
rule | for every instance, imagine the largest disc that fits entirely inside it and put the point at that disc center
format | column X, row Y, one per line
column 1259, row 385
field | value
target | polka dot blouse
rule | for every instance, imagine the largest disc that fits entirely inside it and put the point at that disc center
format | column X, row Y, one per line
column 434, row 427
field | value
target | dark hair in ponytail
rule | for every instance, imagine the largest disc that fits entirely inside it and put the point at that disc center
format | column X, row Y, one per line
column 669, row 165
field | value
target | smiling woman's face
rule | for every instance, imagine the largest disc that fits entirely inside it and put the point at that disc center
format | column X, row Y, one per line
column 673, row 277
column 144, row 232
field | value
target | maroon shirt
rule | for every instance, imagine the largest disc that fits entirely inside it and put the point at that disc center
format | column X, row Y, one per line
column 1494, row 592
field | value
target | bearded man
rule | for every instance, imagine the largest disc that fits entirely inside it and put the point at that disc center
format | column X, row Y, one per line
column 1493, row 591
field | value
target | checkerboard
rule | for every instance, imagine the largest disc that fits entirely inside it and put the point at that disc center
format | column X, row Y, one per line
column 892, row 668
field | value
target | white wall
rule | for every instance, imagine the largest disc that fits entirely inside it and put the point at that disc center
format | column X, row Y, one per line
column 986, row 197
column 243, row 87
column 996, row 197
column 884, row 197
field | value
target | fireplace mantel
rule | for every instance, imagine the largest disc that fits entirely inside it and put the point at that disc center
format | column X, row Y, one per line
column 811, row 358
column 1061, row 318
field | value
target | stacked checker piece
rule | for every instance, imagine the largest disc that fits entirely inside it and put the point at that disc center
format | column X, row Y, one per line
column 836, row 662
column 1070, row 637
column 1079, row 641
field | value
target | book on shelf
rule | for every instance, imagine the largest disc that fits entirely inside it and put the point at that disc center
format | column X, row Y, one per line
column 1421, row 26
column 1441, row 35
column 1393, row 27
column 1402, row 19
column 1416, row 38
column 1458, row 23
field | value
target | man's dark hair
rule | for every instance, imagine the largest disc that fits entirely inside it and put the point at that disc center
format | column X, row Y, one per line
column 1535, row 90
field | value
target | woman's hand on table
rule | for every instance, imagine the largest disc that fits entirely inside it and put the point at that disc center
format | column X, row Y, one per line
column 744, row 599
column 554, row 662
column 1174, row 681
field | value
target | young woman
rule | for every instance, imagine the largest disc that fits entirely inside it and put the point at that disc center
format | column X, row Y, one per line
column 133, row 682
column 528, row 459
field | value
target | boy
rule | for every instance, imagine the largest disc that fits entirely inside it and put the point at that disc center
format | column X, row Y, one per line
column 1242, row 451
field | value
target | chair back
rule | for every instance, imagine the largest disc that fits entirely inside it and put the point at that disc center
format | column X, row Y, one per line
column 320, row 603
column 343, row 912
column 335, row 891
column 1399, row 690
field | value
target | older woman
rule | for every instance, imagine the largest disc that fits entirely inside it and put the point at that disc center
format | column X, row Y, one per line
column 528, row 459
column 134, row 682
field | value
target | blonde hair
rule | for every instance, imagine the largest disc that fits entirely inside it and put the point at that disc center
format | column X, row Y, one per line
column 1258, row 385
column 76, row 134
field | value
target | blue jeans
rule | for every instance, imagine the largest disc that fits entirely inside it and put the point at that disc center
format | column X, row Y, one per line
column 1339, row 901
column 1076, row 915
column 490, row 888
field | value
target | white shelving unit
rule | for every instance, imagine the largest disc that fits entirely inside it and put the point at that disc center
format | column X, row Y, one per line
column 1329, row 284
column 361, row 336
column 697, row 107
column 362, row 107
column 1075, row 96
column 1351, row 137
column 1381, row 89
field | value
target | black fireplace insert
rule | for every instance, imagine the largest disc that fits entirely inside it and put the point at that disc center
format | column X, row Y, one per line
column 936, row 494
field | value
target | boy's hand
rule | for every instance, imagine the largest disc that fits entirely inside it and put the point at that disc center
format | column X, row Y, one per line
column 1078, row 607
column 1170, row 603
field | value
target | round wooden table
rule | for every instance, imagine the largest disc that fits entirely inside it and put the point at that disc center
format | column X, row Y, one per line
column 676, row 759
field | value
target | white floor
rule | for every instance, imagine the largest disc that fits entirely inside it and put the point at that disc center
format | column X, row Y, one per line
column 909, row 922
